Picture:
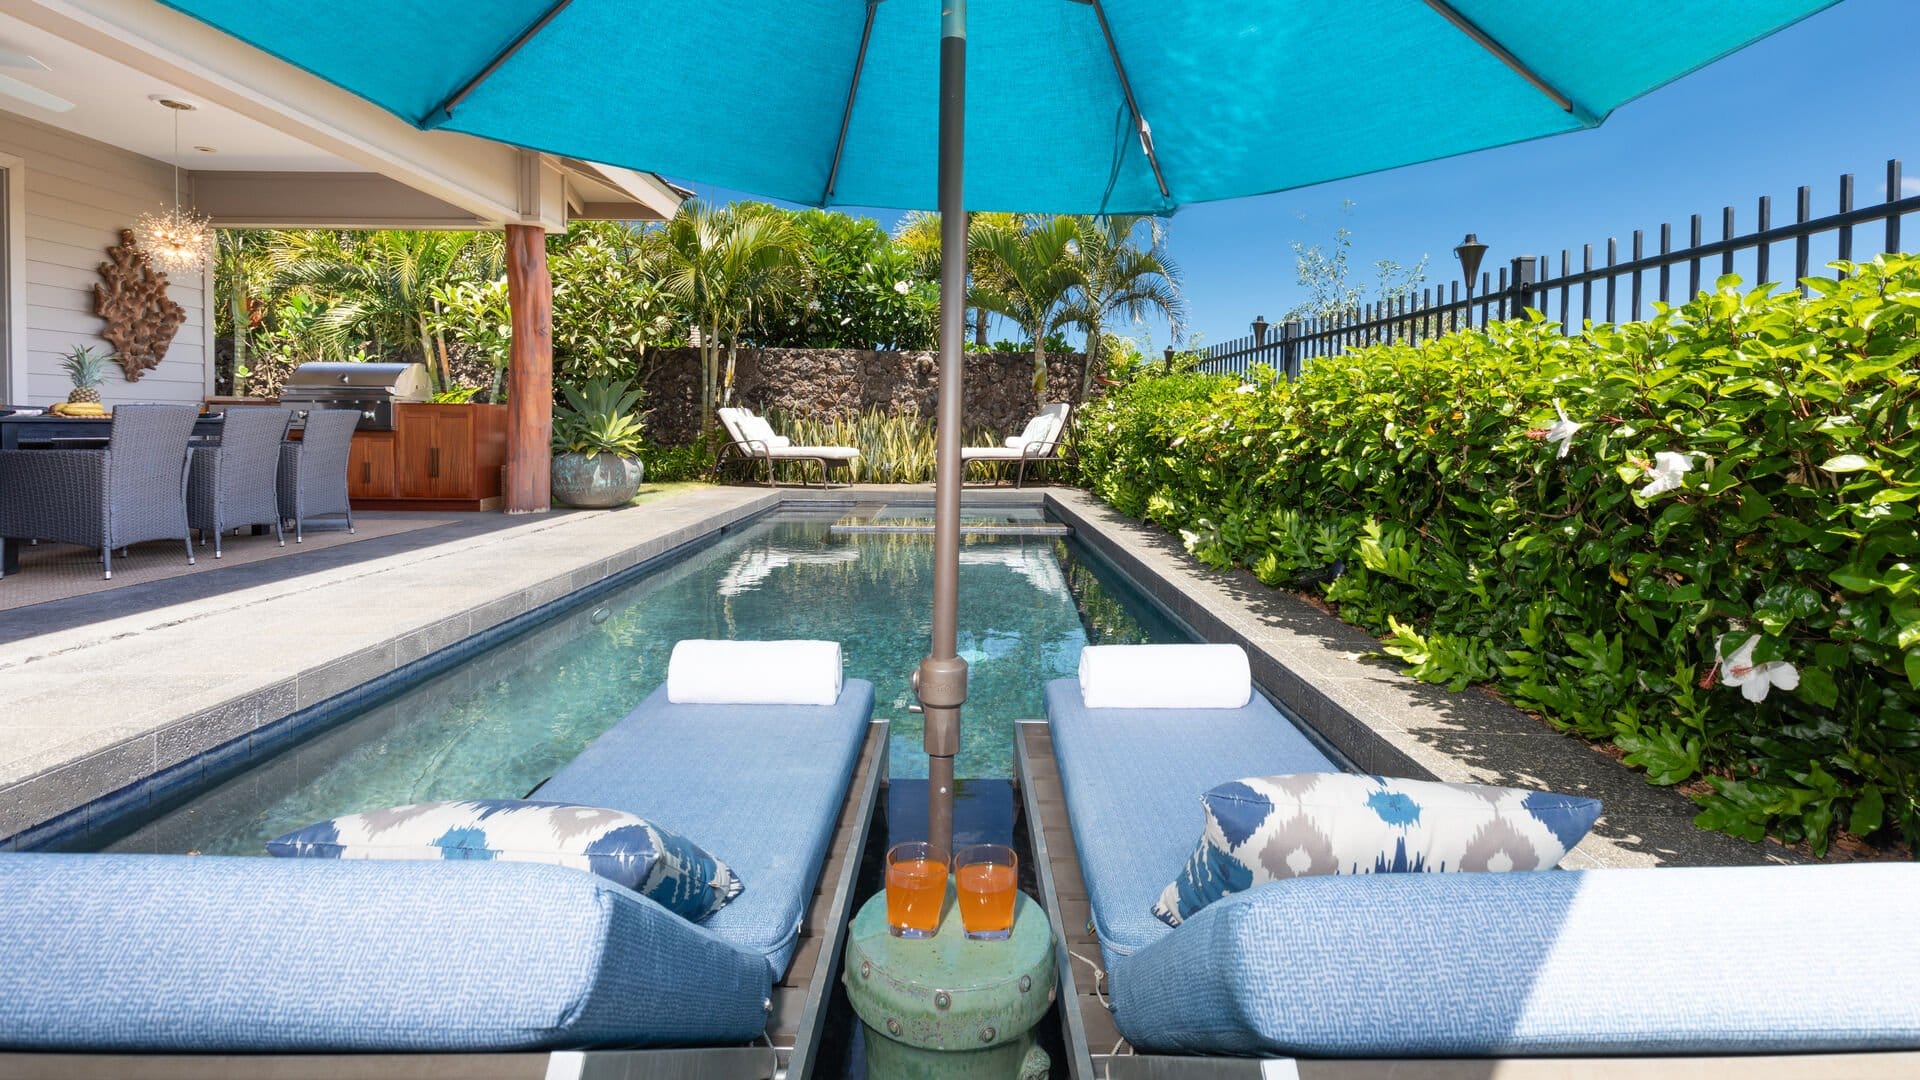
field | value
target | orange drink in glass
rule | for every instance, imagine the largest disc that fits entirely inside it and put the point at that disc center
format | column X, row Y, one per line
column 984, row 877
column 916, row 889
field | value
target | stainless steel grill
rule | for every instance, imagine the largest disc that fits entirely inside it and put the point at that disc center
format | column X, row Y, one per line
column 373, row 389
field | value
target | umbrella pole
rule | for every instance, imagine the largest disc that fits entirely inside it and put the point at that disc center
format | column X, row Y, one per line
column 941, row 681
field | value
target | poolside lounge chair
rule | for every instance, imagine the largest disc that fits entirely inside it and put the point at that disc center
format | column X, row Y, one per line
column 1039, row 442
column 753, row 438
column 1591, row 973
column 414, row 968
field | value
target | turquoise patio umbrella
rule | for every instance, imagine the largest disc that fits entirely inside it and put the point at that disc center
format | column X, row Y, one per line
column 1068, row 106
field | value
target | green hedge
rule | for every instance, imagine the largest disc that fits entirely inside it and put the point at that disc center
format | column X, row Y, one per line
column 1430, row 473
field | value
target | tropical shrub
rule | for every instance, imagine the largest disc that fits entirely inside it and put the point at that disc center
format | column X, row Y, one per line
column 608, row 307
column 895, row 448
column 601, row 416
column 863, row 290
column 666, row 464
column 1693, row 537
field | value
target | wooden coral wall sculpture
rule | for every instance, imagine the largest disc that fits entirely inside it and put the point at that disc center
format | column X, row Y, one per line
column 141, row 320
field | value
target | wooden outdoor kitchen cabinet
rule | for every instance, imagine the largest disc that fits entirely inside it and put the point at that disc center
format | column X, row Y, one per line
column 437, row 457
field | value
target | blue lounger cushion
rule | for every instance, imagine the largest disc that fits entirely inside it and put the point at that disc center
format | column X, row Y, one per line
column 1132, row 780
column 1647, row 961
column 760, row 786
column 154, row 953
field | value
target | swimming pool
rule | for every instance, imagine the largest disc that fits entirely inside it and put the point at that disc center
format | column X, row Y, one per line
column 497, row 725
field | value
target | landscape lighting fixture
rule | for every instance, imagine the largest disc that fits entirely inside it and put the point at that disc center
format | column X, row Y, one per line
column 1470, row 251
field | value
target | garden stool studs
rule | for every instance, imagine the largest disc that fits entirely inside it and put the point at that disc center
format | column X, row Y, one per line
column 987, row 1034
column 866, row 969
column 1026, row 983
column 942, row 1000
column 893, row 1027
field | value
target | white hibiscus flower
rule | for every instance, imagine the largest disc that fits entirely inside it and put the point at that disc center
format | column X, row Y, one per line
column 902, row 287
column 1668, row 472
column 1754, row 680
column 1563, row 430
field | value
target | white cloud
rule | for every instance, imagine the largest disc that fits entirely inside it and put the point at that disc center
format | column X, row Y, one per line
column 1910, row 185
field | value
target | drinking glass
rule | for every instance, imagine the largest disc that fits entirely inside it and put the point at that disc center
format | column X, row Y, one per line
column 984, row 884
column 916, row 889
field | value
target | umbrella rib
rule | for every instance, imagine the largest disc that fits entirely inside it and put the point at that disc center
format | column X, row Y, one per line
column 1500, row 52
column 444, row 111
column 853, row 88
column 1126, row 90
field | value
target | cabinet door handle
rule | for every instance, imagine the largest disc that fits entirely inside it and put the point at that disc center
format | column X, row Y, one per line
column 433, row 463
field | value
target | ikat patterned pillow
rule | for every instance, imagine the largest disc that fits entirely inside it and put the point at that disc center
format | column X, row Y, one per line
column 661, row 865
column 1270, row 828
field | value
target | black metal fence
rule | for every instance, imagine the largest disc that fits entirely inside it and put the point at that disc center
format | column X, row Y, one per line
column 1587, row 292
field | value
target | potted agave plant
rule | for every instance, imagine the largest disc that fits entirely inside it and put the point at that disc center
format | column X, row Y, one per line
column 596, row 444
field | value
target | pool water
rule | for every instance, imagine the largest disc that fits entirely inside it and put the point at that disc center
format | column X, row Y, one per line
column 499, row 724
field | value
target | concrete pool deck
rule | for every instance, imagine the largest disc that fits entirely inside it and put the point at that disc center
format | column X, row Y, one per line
column 105, row 692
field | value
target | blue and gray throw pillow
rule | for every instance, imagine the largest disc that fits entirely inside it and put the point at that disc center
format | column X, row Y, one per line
column 660, row 865
column 1270, row 828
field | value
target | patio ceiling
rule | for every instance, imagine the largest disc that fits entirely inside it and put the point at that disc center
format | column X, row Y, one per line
column 94, row 69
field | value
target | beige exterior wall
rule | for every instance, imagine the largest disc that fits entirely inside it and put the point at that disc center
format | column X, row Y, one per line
column 77, row 195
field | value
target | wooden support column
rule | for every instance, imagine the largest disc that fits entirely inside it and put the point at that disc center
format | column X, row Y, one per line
column 529, row 372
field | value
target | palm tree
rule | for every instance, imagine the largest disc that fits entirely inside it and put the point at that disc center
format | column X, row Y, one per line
column 690, row 256
column 723, row 267
column 763, row 265
column 381, row 283
column 242, row 279
column 1029, row 276
column 1120, row 280
column 919, row 234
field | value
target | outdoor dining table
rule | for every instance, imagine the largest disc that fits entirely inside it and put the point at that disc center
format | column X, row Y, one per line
column 42, row 432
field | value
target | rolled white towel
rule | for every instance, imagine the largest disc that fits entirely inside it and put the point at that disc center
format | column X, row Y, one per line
column 1165, row 677
column 754, row 673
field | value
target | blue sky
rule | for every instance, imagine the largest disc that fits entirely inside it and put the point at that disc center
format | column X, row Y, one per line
column 1829, row 95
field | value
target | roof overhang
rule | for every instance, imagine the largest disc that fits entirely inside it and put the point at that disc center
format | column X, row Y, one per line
column 336, row 160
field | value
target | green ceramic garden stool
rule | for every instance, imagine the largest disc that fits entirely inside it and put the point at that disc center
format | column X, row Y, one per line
column 946, row 1008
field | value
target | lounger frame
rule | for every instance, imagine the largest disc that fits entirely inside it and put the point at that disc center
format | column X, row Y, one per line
column 756, row 450
column 1096, row 1050
column 792, row 1039
column 1036, row 453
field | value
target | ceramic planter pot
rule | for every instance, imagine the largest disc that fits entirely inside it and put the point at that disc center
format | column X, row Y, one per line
column 597, row 482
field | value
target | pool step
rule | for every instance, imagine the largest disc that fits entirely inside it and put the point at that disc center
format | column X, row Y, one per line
column 973, row 528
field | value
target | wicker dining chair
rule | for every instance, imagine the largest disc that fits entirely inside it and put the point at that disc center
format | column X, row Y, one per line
column 133, row 491
column 313, row 470
column 237, row 483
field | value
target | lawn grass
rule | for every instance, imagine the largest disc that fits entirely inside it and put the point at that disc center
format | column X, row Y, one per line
column 651, row 492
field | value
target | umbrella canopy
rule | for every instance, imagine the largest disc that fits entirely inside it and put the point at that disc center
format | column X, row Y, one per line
column 1101, row 106
column 1240, row 96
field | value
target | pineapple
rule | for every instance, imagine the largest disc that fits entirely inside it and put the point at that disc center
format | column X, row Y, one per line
column 86, row 368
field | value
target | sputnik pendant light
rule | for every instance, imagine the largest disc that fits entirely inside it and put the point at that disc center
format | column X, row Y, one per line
column 178, row 241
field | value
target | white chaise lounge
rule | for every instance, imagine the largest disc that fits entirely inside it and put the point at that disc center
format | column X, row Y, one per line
column 1039, row 442
column 755, row 440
